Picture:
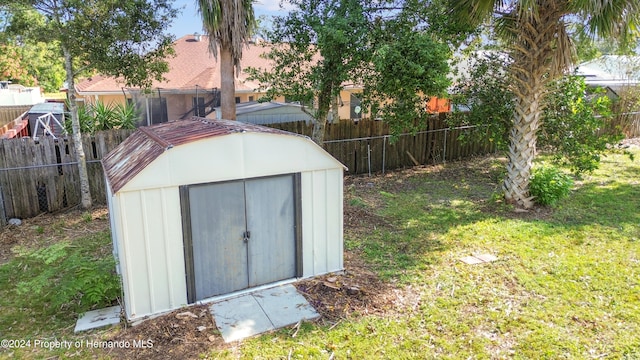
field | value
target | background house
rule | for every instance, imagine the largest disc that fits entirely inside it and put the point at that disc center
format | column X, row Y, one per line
column 191, row 87
column 614, row 72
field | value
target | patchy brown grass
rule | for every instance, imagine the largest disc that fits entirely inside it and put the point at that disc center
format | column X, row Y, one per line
column 50, row 228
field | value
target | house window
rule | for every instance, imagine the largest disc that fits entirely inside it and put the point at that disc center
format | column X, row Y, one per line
column 158, row 110
column 356, row 107
column 250, row 98
column 237, row 99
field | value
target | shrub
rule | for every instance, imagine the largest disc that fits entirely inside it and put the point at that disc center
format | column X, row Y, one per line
column 99, row 116
column 548, row 185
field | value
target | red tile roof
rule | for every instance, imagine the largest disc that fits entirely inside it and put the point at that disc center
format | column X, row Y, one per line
column 145, row 145
column 192, row 65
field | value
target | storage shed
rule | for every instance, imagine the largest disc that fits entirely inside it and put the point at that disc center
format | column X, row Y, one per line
column 267, row 113
column 38, row 110
column 201, row 208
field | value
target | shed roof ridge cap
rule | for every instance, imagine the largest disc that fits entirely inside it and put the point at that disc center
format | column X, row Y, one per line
column 148, row 132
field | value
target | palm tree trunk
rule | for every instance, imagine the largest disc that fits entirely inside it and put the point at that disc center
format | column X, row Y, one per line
column 227, row 88
column 85, row 190
column 522, row 147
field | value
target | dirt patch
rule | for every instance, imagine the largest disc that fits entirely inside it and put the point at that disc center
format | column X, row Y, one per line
column 50, row 228
column 181, row 334
column 357, row 292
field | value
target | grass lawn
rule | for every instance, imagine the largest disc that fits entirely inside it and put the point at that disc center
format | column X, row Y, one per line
column 566, row 283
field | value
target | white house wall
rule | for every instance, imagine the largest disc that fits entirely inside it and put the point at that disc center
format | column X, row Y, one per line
column 152, row 257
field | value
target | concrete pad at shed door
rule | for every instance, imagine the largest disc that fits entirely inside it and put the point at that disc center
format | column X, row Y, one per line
column 98, row 318
column 261, row 311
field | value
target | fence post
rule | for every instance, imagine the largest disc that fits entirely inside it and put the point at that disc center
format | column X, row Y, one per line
column 444, row 152
column 369, row 157
column 384, row 148
column 3, row 213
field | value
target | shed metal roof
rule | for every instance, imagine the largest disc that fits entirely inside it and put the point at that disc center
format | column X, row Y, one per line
column 50, row 107
column 145, row 145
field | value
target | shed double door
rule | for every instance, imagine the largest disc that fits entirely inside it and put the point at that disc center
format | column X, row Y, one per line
column 242, row 235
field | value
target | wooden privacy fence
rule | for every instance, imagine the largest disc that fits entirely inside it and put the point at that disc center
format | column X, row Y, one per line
column 37, row 177
column 366, row 146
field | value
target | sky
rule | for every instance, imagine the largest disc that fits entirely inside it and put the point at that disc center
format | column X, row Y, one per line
column 189, row 20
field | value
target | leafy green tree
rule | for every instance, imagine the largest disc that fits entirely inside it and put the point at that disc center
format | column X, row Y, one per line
column 11, row 67
column 409, row 67
column 229, row 24
column 30, row 61
column 537, row 38
column 321, row 46
column 573, row 120
column 317, row 48
column 125, row 39
column 481, row 98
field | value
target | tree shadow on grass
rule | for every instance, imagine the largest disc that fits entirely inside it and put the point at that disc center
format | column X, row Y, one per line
column 415, row 210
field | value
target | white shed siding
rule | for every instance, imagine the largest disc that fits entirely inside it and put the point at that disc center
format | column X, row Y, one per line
column 154, row 255
column 321, row 227
column 226, row 158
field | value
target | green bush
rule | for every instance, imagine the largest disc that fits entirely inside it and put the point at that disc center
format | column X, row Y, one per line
column 548, row 185
column 99, row 116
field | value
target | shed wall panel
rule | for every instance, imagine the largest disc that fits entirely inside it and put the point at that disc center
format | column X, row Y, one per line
column 154, row 257
column 319, row 236
column 135, row 260
column 321, row 221
column 334, row 200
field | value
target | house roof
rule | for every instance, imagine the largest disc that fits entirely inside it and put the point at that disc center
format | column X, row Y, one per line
column 191, row 66
column 611, row 70
column 145, row 145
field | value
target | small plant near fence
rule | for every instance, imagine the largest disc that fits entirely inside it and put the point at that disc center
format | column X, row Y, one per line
column 549, row 185
column 100, row 116
column 75, row 277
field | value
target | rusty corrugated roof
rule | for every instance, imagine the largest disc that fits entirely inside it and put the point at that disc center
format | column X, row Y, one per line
column 142, row 147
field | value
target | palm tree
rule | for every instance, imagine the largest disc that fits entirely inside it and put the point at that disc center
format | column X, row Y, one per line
column 229, row 24
column 541, row 51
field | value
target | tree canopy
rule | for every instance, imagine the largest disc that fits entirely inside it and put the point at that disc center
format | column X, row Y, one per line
column 126, row 39
column 385, row 48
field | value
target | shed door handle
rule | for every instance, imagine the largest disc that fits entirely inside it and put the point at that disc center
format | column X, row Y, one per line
column 246, row 236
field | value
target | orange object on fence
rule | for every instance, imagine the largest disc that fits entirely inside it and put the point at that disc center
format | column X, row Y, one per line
column 437, row 105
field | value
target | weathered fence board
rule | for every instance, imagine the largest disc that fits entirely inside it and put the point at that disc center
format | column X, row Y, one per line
column 37, row 177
